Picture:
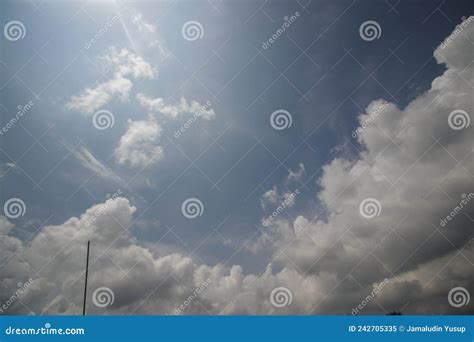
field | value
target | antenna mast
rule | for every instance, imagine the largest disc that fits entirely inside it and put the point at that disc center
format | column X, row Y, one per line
column 85, row 284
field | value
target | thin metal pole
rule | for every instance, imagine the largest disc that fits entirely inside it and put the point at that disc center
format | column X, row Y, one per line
column 85, row 284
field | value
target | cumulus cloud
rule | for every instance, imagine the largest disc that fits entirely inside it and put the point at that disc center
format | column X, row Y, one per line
column 158, row 105
column 124, row 63
column 54, row 260
column 139, row 146
column 419, row 168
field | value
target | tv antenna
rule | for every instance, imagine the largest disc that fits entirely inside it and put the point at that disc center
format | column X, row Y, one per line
column 85, row 283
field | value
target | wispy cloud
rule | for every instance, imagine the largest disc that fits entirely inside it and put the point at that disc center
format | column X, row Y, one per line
column 89, row 161
column 159, row 105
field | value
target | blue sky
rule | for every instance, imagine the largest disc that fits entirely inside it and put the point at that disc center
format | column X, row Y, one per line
column 320, row 70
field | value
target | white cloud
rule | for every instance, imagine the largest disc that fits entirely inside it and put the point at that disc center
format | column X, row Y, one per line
column 94, row 98
column 142, row 24
column 146, row 35
column 127, row 63
column 141, row 282
column 269, row 198
column 272, row 199
column 124, row 63
column 452, row 51
column 139, row 145
column 418, row 169
column 158, row 105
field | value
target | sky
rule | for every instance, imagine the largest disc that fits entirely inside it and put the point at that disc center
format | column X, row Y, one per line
column 237, row 157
